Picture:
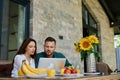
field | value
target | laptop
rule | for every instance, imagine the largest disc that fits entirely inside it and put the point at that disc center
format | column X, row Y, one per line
column 57, row 63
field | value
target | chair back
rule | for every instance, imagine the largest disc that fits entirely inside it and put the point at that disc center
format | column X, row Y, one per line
column 103, row 67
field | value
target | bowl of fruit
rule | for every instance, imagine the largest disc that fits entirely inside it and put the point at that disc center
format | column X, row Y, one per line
column 69, row 71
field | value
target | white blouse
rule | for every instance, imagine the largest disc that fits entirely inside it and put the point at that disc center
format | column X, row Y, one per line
column 18, row 63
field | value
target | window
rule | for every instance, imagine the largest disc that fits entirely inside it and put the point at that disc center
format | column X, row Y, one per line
column 90, row 26
column 15, row 26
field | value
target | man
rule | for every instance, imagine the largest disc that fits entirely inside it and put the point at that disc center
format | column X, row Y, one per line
column 49, row 51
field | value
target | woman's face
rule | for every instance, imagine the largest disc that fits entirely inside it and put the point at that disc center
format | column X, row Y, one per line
column 30, row 49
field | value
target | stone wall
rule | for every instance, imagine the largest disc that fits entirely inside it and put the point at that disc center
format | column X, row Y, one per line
column 63, row 18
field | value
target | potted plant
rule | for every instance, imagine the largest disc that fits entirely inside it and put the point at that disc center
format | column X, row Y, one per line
column 87, row 47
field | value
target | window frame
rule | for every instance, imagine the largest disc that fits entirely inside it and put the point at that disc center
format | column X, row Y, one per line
column 88, row 29
column 1, row 8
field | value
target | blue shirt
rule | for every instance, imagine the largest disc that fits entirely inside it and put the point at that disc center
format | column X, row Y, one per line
column 55, row 55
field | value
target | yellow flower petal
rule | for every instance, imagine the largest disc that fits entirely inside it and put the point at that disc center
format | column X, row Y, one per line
column 85, row 44
column 93, row 39
column 77, row 47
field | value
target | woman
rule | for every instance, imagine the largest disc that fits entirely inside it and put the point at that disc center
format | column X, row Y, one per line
column 26, row 52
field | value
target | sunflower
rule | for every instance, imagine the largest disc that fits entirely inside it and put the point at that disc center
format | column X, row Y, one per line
column 93, row 39
column 85, row 44
column 77, row 47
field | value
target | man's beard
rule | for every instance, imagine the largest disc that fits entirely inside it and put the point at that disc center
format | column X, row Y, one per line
column 49, row 53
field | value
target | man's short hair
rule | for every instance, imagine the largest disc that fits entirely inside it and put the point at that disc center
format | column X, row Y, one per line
column 50, row 39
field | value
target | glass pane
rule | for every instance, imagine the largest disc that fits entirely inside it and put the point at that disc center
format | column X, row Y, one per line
column 21, row 25
column 92, row 22
column 16, row 28
column 85, row 15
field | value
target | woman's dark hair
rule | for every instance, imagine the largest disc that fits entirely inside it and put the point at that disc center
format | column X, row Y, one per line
column 24, row 45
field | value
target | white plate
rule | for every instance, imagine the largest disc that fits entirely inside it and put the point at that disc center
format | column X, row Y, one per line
column 69, row 75
column 92, row 74
column 56, row 76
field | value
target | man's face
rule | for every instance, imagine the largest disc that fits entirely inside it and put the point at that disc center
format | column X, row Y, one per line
column 49, row 48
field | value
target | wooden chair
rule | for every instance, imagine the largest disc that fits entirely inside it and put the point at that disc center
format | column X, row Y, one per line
column 5, row 68
column 104, row 68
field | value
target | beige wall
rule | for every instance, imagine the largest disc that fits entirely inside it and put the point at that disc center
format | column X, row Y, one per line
column 64, row 18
